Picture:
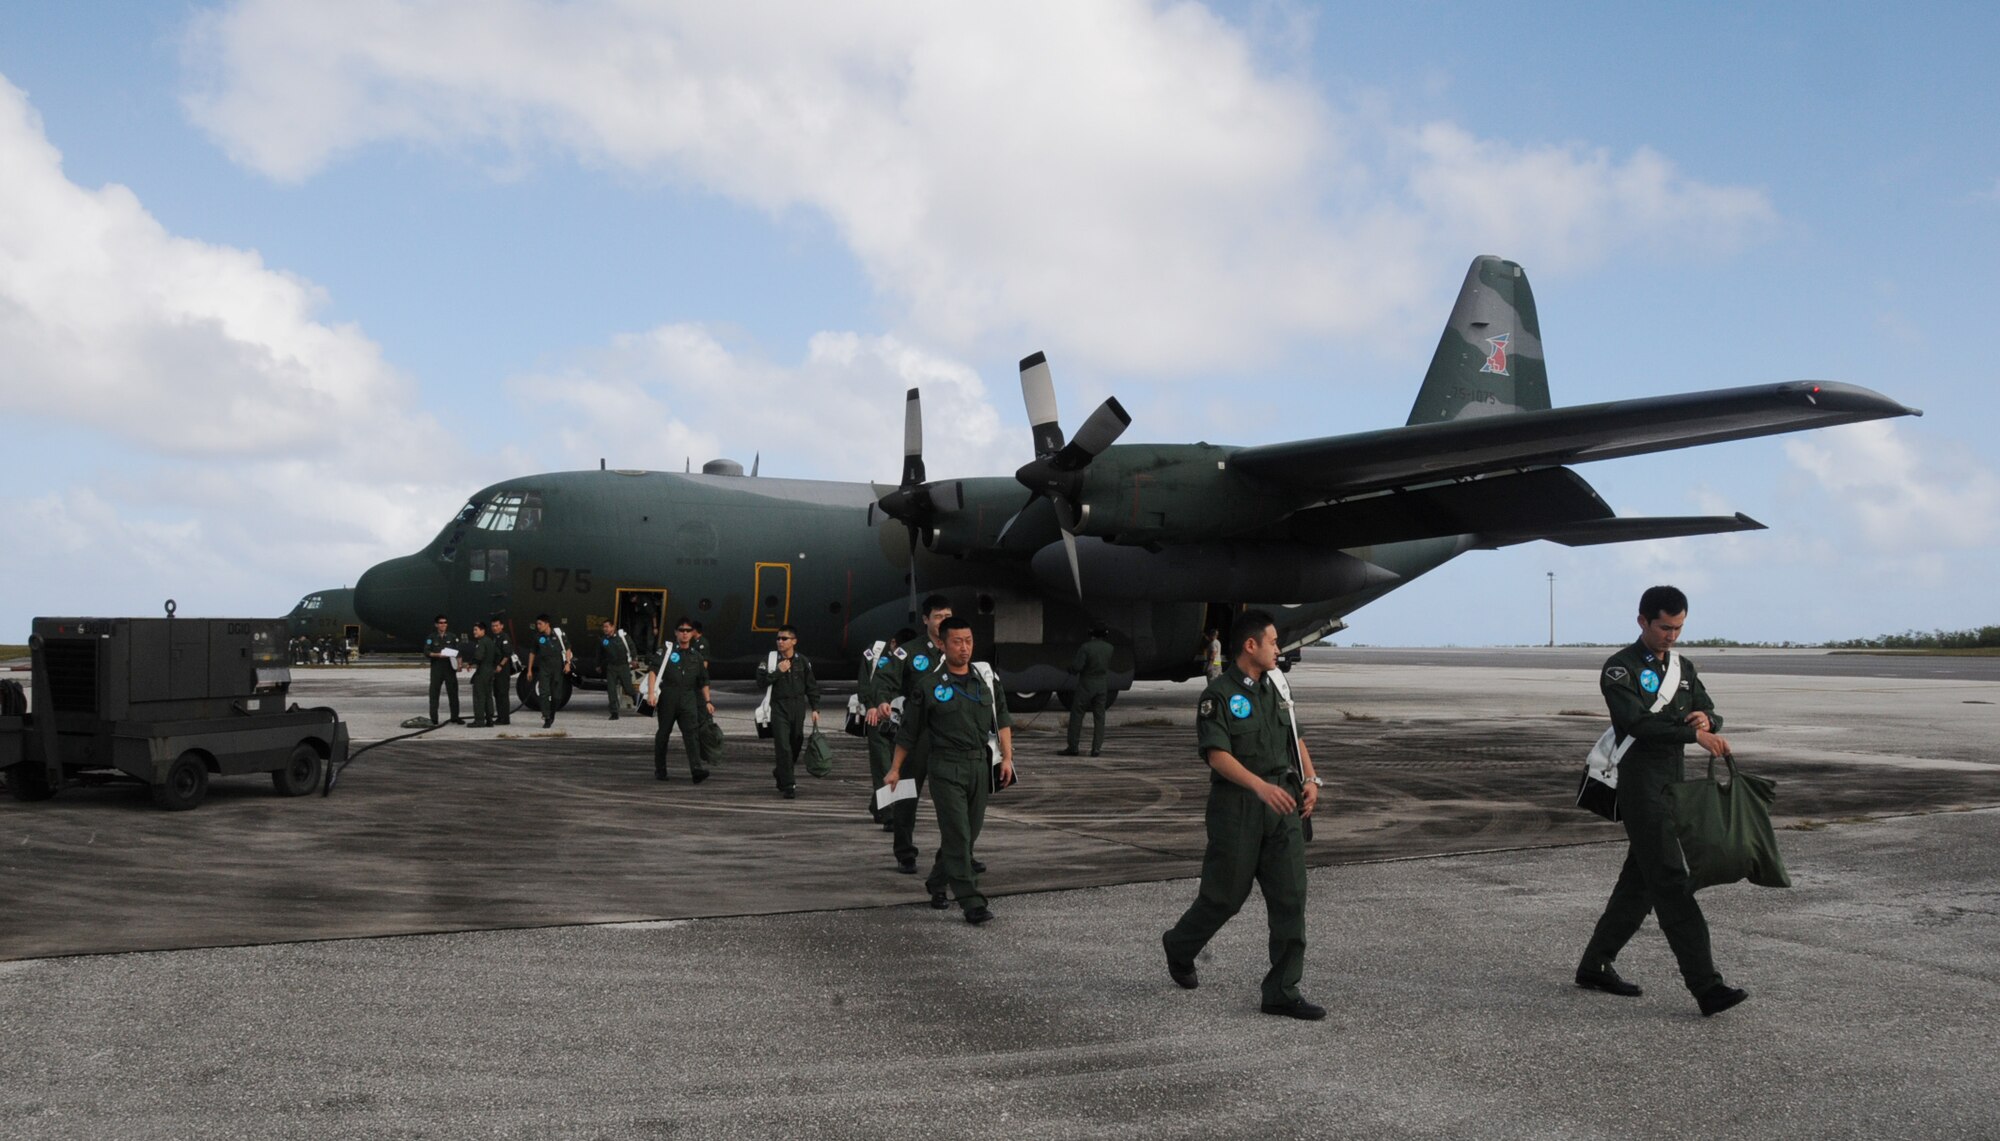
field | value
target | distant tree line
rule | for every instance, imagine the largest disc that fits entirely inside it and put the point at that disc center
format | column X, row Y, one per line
column 1985, row 637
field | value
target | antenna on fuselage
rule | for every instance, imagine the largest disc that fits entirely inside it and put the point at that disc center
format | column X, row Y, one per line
column 756, row 461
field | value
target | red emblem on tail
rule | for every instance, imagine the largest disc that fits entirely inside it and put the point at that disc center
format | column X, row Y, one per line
column 1497, row 360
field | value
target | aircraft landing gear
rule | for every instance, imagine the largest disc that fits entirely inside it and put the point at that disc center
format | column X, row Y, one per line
column 530, row 699
column 1033, row 702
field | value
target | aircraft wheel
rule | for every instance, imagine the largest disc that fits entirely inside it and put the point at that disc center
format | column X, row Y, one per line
column 1033, row 702
column 186, row 784
column 530, row 699
column 29, row 781
column 302, row 774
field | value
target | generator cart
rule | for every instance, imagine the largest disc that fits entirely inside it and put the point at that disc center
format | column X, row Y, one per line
column 167, row 701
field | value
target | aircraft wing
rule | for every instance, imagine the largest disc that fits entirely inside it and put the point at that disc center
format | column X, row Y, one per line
column 1590, row 532
column 1337, row 466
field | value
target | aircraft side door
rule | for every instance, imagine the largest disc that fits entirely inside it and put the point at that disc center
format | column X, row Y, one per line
column 774, row 596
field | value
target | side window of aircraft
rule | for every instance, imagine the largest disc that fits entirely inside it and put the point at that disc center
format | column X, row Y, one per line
column 312, row 602
column 512, row 511
column 487, row 566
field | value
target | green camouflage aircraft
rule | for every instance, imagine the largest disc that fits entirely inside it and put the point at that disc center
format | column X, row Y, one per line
column 1156, row 541
column 330, row 614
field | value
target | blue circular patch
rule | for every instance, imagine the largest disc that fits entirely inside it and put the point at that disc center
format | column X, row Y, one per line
column 674, row 657
column 922, row 662
column 1239, row 706
column 942, row 692
column 1649, row 681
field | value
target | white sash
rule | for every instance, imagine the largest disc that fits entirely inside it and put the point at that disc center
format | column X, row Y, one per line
column 1609, row 750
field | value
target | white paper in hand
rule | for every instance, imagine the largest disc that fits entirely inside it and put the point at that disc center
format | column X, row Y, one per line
column 905, row 789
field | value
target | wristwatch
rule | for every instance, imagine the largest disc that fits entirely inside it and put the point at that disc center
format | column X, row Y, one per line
column 1316, row 782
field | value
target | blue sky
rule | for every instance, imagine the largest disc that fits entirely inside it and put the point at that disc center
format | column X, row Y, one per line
column 281, row 283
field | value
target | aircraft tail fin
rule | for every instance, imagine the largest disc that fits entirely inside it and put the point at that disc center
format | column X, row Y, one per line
column 1489, row 360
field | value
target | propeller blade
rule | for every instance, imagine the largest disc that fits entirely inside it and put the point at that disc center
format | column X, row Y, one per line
column 1016, row 517
column 1038, row 390
column 912, row 527
column 913, row 440
column 1098, row 433
column 1075, row 572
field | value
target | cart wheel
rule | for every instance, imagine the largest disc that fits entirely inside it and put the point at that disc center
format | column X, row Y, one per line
column 530, row 700
column 302, row 774
column 28, row 781
column 186, row 784
column 1033, row 702
column 563, row 690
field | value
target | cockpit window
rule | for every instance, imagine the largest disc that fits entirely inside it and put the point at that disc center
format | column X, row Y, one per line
column 512, row 511
column 466, row 513
column 310, row 602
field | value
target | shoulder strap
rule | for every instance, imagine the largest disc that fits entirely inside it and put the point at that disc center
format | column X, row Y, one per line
column 1670, row 682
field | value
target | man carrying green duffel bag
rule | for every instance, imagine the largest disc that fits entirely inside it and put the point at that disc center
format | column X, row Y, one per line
column 1655, row 878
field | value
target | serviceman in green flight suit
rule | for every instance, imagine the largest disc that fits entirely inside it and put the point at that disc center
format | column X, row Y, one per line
column 616, row 651
column 874, row 693
column 1654, row 878
column 1256, row 805
column 504, row 665
column 953, row 714
column 484, row 653
column 677, row 689
column 907, row 669
column 1092, row 667
column 444, row 666
column 794, row 694
column 551, row 660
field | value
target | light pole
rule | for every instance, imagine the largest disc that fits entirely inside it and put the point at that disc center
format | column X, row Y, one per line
column 1552, row 610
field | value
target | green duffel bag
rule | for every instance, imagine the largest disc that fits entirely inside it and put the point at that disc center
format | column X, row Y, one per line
column 709, row 736
column 818, row 754
column 1725, row 830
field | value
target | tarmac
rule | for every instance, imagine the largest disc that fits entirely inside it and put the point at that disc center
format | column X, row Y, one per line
column 532, row 937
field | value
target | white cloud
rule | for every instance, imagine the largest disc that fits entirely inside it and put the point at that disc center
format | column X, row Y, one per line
column 1905, row 500
column 1116, row 182
column 235, row 441
column 108, row 321
column 837, row 413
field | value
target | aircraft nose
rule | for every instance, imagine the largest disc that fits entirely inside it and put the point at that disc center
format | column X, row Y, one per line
column 401, row 596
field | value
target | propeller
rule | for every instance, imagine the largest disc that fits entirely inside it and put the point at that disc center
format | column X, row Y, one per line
column 916, row 503
column 1057, row 471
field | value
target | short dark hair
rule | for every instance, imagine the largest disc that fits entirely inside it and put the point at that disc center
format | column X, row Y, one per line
column 788, row 628
column 1659, row 601
column 1249, row 627
column 1100, row 631
column 904, row 636
column 478, row 625
column 954, row 623
column 690, row 623
column 545, row 618
column 497, row 618
column 441, row 618
column 935, row 602
column 608, row 622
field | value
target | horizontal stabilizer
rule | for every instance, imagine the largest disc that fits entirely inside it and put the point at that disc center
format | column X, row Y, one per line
column 1589, row 533
column 1423, row 453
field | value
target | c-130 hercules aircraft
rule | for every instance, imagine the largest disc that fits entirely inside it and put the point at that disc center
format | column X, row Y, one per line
column 1156, row 541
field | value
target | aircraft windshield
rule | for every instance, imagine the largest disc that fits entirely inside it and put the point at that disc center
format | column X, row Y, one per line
column 309, row 602
column 512, row 511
